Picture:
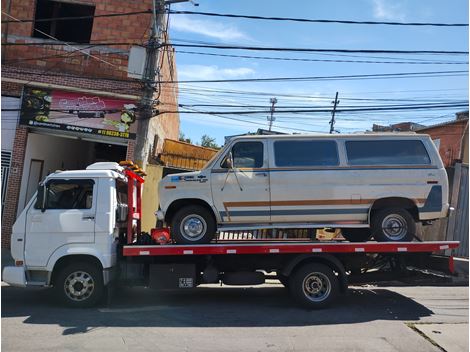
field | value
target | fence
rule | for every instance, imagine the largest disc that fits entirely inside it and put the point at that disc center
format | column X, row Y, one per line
column 6, row 159
column 457, row 228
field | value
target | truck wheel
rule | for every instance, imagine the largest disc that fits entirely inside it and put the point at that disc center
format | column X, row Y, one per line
column 314, row 285
column 193, row 224
column 79, row 285
column 356, row 235
column 393, row 225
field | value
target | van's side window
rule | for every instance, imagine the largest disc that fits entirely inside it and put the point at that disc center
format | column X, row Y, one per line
column 247, row 155
column 69, row 194
column 306, row 153
column 387, row 152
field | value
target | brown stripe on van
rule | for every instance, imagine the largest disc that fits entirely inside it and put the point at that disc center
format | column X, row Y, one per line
column 304, row 202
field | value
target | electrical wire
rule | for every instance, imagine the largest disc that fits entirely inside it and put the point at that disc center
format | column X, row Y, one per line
column 72, row 18
column 366, row 51
column 325, row 60
column 326, row 78
column 306, row 20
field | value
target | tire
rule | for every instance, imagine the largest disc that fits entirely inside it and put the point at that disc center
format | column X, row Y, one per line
column 193, row 224
column 314, row 286
column 356, row 235
column 393, row 225
column 79, row 285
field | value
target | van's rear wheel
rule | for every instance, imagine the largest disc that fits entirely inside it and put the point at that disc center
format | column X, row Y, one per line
column 193, row 224
column 393, row 225
column 79, row 285
column 314, row 285
column 356, row 235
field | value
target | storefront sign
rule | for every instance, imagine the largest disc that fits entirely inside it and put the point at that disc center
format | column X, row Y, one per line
column 78, row 112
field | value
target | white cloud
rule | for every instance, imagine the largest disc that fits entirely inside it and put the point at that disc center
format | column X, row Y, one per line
column 212, row 29
column 388, row 10
column 202, row 72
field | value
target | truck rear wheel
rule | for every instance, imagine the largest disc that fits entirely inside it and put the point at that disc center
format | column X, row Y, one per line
column 393, row 225
column 193, row 224
column 79, row 285
column 314, row 285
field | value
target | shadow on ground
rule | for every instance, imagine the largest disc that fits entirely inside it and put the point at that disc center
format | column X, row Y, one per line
column 208, row 307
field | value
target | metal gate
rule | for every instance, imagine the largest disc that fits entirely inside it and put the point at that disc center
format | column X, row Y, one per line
column 457, row 229
column 6, row 160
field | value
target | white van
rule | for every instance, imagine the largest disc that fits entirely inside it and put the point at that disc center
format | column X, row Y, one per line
column 369, row 185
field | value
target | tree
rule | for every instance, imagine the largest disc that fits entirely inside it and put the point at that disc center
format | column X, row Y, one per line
column 182, row 138
column 208, row 142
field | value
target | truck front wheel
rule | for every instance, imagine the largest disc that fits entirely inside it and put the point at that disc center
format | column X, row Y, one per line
column 193, row 224
column 79, row 285
column 314, row 285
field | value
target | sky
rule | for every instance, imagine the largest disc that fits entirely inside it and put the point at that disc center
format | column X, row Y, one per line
column 192, row 28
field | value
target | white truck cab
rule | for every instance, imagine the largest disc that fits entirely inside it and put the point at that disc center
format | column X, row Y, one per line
column 75, row 218
column 368, row 185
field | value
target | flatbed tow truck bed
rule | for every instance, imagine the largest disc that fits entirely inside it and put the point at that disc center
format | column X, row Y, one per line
column 293, row 247
column 315, row 273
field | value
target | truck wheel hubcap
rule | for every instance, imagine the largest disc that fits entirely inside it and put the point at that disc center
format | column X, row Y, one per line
column 394, row 227
column 79, row 286
column 316, row 287
column 193, row 227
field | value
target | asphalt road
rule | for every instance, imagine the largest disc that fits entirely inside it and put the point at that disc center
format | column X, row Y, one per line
column 264, row 318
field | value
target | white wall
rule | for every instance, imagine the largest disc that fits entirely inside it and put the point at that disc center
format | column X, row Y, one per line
column 58, row 154
column 9, row 121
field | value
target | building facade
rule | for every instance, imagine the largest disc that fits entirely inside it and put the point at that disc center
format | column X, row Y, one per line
column 67, row 99
column 451, row 138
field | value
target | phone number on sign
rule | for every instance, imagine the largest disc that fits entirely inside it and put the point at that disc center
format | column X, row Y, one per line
column 114, row 133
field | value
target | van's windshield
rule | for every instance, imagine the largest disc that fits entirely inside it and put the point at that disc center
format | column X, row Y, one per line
column 211, row 160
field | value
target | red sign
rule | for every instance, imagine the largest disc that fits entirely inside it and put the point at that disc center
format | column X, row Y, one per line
column 78, row 112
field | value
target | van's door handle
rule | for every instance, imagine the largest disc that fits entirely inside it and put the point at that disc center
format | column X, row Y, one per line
column 88, row 218
column 261, row 174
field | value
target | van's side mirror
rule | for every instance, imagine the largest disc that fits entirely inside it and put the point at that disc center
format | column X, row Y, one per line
column 41, row 198
column 228, row 162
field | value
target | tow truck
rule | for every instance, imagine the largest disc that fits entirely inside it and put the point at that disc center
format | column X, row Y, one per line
column 81, row 232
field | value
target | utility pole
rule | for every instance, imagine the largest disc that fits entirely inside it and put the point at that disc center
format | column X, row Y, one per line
column 332, row 121
column 147, row 103
column 273, row 101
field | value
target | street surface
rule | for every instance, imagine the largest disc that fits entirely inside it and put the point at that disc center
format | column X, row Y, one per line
column 264, row 318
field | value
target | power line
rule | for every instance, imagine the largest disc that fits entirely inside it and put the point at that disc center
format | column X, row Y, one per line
column 397, row 108
column 367, row 51
column 50, row 19
column 319, row 20
column 311, row 106
column 259, row 48
column 325, row 78
column 326, row 60
column 60, row 43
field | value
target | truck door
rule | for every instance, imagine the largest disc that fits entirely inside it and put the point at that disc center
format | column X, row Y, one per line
column 68, row 217
column 241, row 191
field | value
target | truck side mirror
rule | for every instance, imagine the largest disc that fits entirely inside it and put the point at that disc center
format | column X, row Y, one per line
column 41, row 198
column 122, row 212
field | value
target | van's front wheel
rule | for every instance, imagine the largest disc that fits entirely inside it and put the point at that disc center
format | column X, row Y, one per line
column 393, row 225
column 193, row 224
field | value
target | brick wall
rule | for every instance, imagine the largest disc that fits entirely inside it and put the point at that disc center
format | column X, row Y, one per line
column 14, row 184
column 132, row 29
column 450, row 136
column 64, row 66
